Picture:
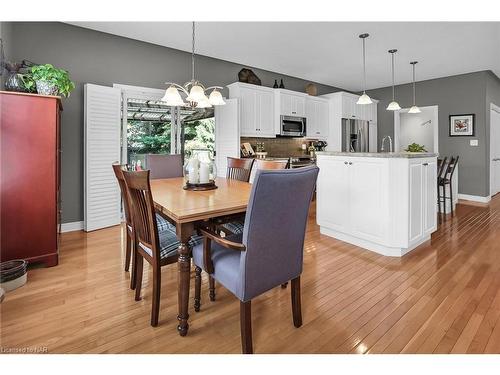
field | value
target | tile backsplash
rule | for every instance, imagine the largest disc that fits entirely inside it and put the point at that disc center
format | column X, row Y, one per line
column 279, row 147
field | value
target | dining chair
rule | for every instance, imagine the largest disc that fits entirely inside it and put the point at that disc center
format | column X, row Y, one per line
column 164, row 165
column 157, row 247
column 161, row 222
column 239, row 169
column 236, row 226
column 267, row 165
column 447, row 180
column 268, row 253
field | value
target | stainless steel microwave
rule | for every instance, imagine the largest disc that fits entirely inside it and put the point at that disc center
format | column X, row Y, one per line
column 292, row 126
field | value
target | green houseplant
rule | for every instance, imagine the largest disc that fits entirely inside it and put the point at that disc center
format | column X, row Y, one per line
column 51, row 81
column 415, row 147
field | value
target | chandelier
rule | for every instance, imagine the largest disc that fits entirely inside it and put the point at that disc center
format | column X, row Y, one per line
column 194, row 90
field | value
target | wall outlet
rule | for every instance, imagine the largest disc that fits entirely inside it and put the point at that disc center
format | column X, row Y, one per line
column 474, row 142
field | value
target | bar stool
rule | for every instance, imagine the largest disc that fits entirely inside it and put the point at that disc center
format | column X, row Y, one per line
column 444, row 181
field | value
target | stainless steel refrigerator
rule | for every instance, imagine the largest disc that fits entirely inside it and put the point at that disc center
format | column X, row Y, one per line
column 355, row 135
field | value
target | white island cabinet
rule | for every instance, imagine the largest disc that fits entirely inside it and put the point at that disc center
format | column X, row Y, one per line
column 383, row 202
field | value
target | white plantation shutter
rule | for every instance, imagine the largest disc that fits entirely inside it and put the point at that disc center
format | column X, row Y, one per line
column 102, row 149
column 227, row 134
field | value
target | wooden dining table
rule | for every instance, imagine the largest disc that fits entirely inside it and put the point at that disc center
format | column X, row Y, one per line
column 188, row 209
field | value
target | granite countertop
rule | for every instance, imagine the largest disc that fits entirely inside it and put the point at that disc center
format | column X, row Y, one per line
column 406, row 155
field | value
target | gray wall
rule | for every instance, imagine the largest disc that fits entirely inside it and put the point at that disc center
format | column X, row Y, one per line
column 6, row 36
column 104, row 59
column 461, row 94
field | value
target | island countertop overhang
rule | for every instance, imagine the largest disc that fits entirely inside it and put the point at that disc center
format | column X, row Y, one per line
column 403, row 155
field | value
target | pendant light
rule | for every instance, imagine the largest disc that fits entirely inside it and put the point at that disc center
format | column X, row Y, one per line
column 414, row 108
column 394, row 105
column 194, row 90
column 364, row 99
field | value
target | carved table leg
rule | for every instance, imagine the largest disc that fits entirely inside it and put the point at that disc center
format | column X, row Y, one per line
column 197, row 289
column 184, row 232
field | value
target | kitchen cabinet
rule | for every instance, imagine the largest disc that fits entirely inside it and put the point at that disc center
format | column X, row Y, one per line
column 383, row 204
column 256, row 109
column 357, row 186
column 317, row 117
column 351, row 110
column 423, row 198
column 291, row 103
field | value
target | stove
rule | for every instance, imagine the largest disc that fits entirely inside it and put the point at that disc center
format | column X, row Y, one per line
column 302, row 161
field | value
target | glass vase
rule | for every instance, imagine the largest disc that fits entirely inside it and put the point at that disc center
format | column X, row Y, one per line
column 200, row 171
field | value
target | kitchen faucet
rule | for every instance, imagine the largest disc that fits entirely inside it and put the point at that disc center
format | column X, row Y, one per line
column 383, row 142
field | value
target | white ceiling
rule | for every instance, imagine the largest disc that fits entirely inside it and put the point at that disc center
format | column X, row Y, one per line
column 330, row 52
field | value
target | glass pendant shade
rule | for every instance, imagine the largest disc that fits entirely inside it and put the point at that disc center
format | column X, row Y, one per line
column 196, row 94
column 364, row 99
column 393, row 106
column 414, row 109
column 204, row 103
column 215, row 98
column 172, row 97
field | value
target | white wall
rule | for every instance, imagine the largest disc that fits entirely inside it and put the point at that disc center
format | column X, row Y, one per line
column 415, row 128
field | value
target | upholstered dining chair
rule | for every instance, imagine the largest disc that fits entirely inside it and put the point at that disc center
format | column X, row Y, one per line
column 157, row 247
column 164, row 165
column 161, row 222
column 236, row 226
column 267, row 253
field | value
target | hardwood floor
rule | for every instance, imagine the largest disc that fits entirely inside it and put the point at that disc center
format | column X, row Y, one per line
column 443, row 297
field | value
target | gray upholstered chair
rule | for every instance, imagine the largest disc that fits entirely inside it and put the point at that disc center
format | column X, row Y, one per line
column 269, row 252
column 164, row 165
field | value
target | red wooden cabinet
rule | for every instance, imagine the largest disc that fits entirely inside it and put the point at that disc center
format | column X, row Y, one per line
column 30, row 177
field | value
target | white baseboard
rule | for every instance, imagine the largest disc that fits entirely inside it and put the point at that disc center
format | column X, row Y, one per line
column 71, row 227
column 474, row 198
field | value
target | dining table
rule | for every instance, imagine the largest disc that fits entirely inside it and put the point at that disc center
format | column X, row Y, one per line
column 187, row 210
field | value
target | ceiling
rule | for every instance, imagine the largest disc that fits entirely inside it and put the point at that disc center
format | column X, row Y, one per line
column 330, row 52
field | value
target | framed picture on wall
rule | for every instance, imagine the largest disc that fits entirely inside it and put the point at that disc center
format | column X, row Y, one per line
column 462, row 125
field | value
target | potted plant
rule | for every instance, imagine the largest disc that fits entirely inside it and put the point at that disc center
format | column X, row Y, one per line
column 415, row 147
column 51, row 81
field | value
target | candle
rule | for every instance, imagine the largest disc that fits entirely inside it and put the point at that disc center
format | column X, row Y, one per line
column 193, row 171
column 204, row 171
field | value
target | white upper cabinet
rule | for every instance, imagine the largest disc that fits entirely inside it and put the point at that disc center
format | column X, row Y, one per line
column 256, row 109
column 317, row 117
column 291, row 103
column 351, row 110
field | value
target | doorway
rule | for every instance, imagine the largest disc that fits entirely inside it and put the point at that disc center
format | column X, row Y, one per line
column 494, row 149
column 420, row 128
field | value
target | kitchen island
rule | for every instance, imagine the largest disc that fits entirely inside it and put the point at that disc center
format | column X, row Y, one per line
column 383, row 202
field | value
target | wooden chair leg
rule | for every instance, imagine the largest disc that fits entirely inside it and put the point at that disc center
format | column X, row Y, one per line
column 246, row 327
column 128, row 251
column 197, row 289
column 211, row 283
column 444, row 199
column 139, row 265
column 155, row 308
column 296, row 308
column 133, row 274
column 284, row 285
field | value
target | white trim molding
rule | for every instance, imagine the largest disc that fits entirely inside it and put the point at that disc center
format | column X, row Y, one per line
column 474, row 198
column 71, row 227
